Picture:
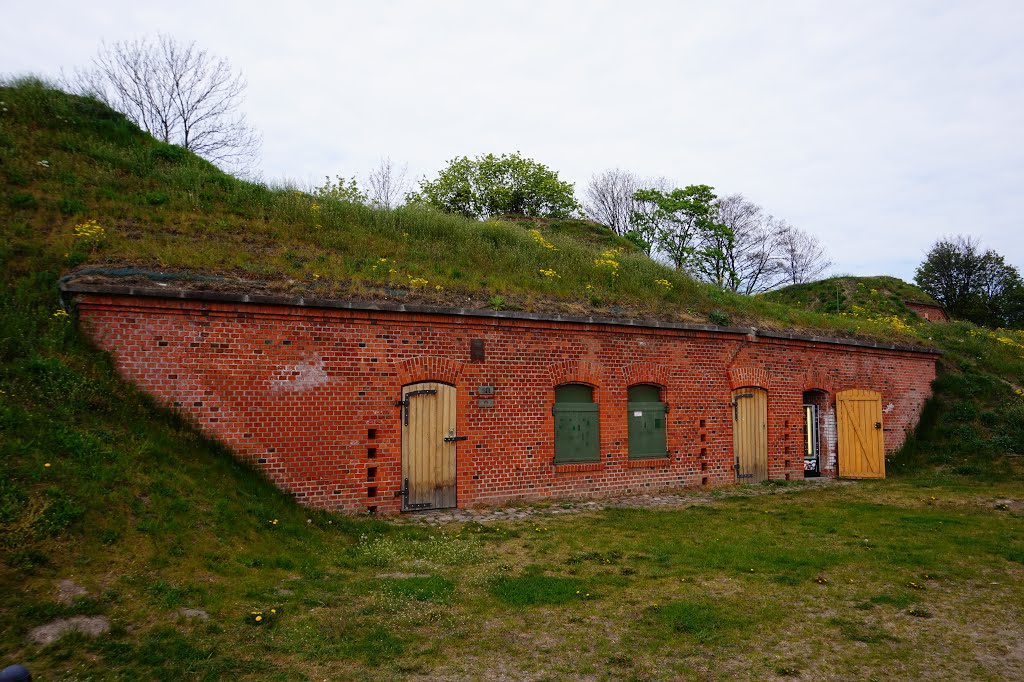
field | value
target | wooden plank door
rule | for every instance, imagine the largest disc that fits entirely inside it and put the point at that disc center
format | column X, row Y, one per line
column 750, row 434
column 428, row 459
column 861, row 438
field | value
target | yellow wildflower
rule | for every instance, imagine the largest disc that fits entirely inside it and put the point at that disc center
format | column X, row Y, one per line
column 539, row 238
column 90, row 232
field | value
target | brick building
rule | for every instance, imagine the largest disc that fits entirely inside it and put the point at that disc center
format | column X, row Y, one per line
column 364, row 407
column 929, row 311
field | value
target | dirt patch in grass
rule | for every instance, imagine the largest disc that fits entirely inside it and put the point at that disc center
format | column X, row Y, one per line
column 91, row 626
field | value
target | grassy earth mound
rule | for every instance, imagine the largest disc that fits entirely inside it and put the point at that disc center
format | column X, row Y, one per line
column 88, row 191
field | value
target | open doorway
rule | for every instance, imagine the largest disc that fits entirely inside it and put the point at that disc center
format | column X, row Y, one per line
column 816, row 450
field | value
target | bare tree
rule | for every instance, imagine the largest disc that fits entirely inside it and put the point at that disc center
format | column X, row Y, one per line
column 178, row 93
column 801, row 256
column 387, row 184
column 754, row 256
column 609, row 199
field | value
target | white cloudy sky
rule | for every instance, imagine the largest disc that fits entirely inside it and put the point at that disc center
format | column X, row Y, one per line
column 878, row 126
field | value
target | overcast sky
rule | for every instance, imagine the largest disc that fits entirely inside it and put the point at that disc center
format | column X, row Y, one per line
column 877, row 126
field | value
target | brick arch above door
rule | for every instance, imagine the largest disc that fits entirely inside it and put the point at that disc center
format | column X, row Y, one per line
column 575, row 372
column 816, row 380
column 646, row 373
column 428, row 368
column 746, row 375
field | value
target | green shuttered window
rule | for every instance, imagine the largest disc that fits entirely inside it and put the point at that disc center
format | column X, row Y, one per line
column 646, row 415
column 577, row 425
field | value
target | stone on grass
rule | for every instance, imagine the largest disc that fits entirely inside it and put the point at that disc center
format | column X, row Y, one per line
column 193, row 613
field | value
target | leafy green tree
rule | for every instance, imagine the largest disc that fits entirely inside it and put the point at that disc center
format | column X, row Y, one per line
column 492, row 185
column 999, row 293
column 341, row 189
column 972, row 284
column 1012, row 307
column 638, row 240
column 949, row 273
column 683, row 225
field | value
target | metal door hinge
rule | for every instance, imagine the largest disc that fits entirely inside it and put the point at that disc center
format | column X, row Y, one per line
column 405, row 403
column 736, row 404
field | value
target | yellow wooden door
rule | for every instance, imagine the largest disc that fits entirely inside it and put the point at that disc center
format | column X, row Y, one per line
column 428, row 459
column 750, row 434
column 861, row 438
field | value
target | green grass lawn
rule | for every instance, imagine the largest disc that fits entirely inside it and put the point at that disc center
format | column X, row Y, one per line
column 919, row 578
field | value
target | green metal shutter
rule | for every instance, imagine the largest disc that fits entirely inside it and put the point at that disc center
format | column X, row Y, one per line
column 646, row 414
column 577, row 425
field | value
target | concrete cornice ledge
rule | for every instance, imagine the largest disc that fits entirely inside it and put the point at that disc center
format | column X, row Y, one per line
column 70, row 286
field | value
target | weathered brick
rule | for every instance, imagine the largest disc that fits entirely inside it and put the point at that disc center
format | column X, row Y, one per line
column 308, row 394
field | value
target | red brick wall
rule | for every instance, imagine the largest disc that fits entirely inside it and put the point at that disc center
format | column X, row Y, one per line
column 932, row 313
column 308, row 394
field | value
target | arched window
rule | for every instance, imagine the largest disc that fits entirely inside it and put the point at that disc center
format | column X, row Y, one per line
column 577, row 426
column 646, row 414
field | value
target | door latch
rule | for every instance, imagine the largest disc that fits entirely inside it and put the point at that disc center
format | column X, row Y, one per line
column 452, row 439
column 878, row 425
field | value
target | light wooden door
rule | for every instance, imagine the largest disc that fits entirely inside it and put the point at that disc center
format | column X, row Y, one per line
column 750, row 434
column 428, row 446
column 861, row 438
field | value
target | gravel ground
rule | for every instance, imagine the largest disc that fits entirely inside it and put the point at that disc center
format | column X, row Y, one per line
column 661, row 500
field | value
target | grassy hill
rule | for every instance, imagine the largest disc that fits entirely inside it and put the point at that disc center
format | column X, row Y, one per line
column 100, row 487
column 85, row 189
column 875, row 295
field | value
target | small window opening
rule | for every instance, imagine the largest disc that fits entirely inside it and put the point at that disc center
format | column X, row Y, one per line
column 577, row 424
column 646, row 421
